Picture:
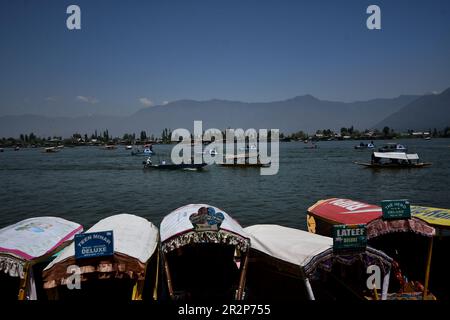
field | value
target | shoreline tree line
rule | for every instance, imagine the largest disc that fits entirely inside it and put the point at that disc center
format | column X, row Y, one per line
column 104, row 137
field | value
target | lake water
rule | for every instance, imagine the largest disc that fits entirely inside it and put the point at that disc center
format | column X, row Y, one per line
column 85, row 184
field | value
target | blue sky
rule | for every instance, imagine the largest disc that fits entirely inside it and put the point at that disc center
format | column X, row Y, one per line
column 132, row 54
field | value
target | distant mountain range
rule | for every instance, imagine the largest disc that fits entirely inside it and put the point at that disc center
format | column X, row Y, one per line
column 424, row 113
column 305, row 113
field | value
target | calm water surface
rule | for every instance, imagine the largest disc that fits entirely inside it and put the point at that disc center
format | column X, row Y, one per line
column 86, row 184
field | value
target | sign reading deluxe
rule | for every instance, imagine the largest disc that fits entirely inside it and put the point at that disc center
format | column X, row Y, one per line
column 95, row 244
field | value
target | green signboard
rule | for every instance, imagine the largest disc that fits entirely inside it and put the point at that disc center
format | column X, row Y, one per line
column 396, row 209
column 349, row 237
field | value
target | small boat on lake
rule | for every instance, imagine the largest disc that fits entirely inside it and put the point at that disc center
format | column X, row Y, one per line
column 25, row 248
column 109, row 147
column 362, row 146
column 393, row 147
column 148, row 164
column 212, row 152
column 243, row 161
column 249, row 148
column 204, row 252
column 394, row 160
column 147, row 151
column 51, row 150
column 129, row 147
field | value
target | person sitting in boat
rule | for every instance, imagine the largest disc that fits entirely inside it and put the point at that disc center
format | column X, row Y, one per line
column 149, row 161
column 163, row 162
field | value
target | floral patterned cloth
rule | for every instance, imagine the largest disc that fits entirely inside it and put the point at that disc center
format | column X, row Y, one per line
column 220, row 237
column 12, row 266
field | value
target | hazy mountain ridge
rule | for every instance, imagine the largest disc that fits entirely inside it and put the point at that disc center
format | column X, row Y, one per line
column 428, row 112
column 305, row 113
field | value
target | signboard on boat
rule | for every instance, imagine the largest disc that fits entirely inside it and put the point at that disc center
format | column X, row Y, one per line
column 95, row 244
column 349, row 237
column 396, row 209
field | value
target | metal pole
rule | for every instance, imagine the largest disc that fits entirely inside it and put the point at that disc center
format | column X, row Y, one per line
column 309, row 289
column 169, row 278
column 427, row 272
column 385, row 288
column 243, row 277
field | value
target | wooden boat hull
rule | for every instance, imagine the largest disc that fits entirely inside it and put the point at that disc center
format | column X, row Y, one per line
column 393, row 166
column 183, row 166
column 244, row 165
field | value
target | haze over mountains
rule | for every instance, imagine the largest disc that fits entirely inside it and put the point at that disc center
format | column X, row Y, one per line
column 305, row 113
column 424, row 113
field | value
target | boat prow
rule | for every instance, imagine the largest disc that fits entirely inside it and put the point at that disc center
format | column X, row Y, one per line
column 393, row 166
column 171, row 166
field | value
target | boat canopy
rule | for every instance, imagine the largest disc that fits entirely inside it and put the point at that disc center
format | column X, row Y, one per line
column 437, row 217
column 241, row 156
column 346, row 211
column 31, row 240
column 201, row 223
column 396, row 155
column 135, row 241
column 307, row 250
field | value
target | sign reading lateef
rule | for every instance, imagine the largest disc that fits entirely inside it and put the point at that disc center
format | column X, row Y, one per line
column 349, row 237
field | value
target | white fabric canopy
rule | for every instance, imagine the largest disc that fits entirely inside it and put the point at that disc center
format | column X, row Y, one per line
column 133, row 236
column 35, row 237
column 397, row 155
column 294, row 246
column 177, row 222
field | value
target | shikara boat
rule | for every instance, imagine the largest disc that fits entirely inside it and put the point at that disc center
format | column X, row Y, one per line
column 147, row 151
column 243, row 161
column 171, row 166
column 287, row 264
column 25, row 248
column 51, row 150
column 130, row 273
column 365, row 146
column 440, row 220
column 393, row 147
column 394, row 160
column 407, row 241
column 204, row 253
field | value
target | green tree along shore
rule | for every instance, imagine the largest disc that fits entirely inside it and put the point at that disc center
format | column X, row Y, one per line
column 104, row 138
